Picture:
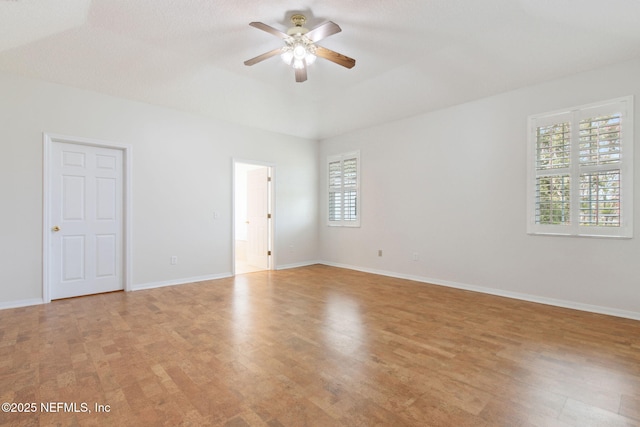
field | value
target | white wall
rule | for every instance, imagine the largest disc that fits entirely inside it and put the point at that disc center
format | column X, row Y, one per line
column 182, row 167
column 451, row 186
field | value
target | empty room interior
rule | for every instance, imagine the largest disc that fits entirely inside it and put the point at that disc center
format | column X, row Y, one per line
column 409, row 213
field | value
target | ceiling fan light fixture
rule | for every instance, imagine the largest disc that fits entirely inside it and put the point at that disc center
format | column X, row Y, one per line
column 310, row 58
column 287, row 56
column 299, row 52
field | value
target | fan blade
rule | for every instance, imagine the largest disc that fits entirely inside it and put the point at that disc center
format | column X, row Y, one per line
column 323, row 31
column 336, row 57
column 262, row 57
column 301, row 74
column 268, row 29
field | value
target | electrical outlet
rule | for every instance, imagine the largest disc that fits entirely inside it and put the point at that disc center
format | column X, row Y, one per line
column 416, row 257
column 174, row 260
column 379, row 252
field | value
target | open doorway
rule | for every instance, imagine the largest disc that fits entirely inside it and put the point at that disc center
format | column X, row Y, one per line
column 253, row 217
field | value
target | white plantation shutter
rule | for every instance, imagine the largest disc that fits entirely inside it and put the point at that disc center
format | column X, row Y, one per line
column 600, row 159
column 600, row 140
column 580, row 164
column 553, row 180
column 335, row 191
column 600, row 199
column 553, row 147
column 344, row 189
column 553, row 200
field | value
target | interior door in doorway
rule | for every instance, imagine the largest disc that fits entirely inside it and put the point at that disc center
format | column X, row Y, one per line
column 258, row 218
column 86, row 252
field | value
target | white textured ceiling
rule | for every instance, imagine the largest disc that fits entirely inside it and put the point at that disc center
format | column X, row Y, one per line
column 412, row 56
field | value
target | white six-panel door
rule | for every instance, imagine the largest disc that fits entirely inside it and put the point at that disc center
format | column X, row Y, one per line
column 86, row 217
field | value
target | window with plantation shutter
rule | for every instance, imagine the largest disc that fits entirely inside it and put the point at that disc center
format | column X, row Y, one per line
column 344, row 189
column 581, row 172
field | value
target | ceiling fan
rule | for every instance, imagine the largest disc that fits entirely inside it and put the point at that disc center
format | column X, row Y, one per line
column 300, row 48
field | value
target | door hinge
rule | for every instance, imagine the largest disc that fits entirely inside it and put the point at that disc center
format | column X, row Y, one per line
column 268, row 216
column 268, row 253
column 268, row 179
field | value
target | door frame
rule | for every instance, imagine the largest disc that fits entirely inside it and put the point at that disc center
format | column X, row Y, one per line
column 48, row 139
column 272, row 201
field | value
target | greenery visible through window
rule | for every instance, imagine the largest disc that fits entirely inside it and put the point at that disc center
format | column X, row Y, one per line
column 581, row 165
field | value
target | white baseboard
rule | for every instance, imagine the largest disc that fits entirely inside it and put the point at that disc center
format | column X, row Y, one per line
column 498, row 292
column 21, row 303
column 297, row 265
column 175, row 282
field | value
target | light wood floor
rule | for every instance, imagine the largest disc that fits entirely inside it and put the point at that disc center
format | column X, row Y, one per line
column 318, row 346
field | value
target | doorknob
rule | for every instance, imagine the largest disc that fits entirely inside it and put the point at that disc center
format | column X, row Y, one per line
column 55, row 228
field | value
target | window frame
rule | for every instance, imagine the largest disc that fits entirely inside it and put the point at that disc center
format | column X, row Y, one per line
column 576, row 169
column 342, row 158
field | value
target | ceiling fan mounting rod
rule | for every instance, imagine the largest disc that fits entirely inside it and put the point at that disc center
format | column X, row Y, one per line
column 298, row 20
